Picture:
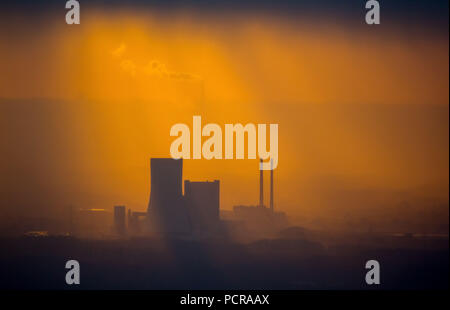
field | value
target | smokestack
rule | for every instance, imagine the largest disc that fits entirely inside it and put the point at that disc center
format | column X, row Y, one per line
column 261, row 184
column 271, row 185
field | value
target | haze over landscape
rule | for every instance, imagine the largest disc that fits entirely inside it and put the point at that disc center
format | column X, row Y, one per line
column 363, row 145
column 362, row 112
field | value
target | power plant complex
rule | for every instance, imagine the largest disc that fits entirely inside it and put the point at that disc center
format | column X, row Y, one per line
column 197, row 211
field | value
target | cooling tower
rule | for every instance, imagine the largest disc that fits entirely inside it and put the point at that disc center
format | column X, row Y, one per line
column 166, row 211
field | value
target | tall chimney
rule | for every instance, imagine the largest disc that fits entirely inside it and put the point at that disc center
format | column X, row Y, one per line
column 271, row 185
column 261, row 184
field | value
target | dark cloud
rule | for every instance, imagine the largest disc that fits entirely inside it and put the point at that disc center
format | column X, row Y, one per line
column 434, row 12
column 410, row 17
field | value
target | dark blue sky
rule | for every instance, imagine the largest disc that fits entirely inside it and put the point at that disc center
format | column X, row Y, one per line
column 435, row 11
column 408, row 16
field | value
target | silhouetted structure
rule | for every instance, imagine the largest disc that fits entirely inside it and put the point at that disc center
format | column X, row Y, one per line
column 129, row 219
column 134, row 221
column 259, row 218
column 119, row 219
column 166, row 211
column 198, row 210
column 203, row 202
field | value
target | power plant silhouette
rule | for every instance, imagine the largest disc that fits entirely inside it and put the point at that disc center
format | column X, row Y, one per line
column 166, row 209
column 197, row 211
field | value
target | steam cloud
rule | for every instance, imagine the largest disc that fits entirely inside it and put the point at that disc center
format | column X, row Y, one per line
column 152, row 68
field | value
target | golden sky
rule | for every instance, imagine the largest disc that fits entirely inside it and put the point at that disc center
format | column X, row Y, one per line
column 87, row 106
column 250, row 59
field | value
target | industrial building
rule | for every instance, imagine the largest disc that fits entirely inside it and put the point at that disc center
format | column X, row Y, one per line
column 198, row 210
column 119, row 220
column 260, row 218
column 134, row 221
column 171, row 212
column 202, row 199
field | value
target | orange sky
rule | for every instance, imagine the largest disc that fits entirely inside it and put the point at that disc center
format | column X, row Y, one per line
column 122, row 80
column 257, row 59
